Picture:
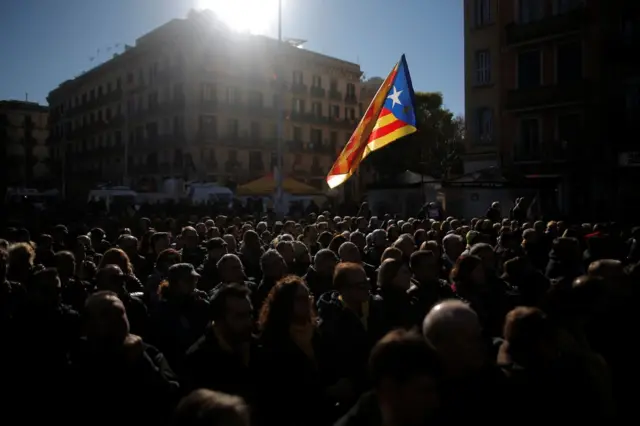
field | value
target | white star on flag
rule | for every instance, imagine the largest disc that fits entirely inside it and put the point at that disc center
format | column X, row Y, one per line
column 395, row 97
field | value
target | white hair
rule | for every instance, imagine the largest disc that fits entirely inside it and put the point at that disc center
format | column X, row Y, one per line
column 447, row 317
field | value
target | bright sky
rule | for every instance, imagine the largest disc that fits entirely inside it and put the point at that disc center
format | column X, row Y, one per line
column 45, row 42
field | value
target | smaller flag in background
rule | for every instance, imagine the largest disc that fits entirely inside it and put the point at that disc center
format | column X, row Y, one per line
column 390, row 116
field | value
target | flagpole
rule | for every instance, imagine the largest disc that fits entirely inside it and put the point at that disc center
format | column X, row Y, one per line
column 279, row 207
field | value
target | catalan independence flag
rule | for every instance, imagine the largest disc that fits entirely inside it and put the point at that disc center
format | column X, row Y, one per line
column 390, row 116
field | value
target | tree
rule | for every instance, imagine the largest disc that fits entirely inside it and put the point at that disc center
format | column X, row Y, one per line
column 434, row 149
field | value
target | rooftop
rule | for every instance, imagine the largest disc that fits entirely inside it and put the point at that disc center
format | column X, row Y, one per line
column 11, row 104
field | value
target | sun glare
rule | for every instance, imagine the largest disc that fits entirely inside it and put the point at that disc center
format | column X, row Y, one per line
column 253, row 16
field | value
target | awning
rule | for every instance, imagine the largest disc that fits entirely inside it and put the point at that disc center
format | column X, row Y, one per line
column 266, row 185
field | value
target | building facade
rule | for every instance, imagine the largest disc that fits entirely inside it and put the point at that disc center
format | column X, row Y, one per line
column 24, row 150
column 482, row 84
column 197, row 101
column 556, row 90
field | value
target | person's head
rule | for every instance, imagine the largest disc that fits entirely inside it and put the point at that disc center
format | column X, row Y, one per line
column 406, row 245
column 111, row 278
column 453, row 245
column 231, row 269
column 405, row 372
column 394, row 274
column 310, row 233
column 21, row 256
column 485, row 252
column 359, row 239
column 288, row 303
column 189, row 237
column 349, row 252
column 468, row 273
column 116, row 256
column 273, row 265
column 65, row 263
column 166, row 259
column 129, row 244
column 391, row 253
column 351, row 281
column 324, row 262
column 285, row 248
column 432, row 245
column 424, row 265
column 301, row 254
column 530, row 337
column 453, row 328
column 232, row 245
column 182, row 278
column 45, row 288
column 336, row 242
column 106, row 319
column 251, row 240
column 232, row 312
column 205, row 407
column 160, row 241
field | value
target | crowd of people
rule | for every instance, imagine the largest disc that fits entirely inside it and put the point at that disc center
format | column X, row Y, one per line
column 351, row 321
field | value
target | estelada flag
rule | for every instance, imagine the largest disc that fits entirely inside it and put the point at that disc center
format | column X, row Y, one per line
column 390, row 116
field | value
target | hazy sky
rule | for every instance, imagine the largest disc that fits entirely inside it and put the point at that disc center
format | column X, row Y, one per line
column 44, row 42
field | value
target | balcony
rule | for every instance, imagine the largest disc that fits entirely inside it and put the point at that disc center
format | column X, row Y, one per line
column 318, row 92
column 523, row 154
column 547, row 96
column 334, row 95
column 545, row 28
column 299, row 88
column 232, row 167
column 295, row 146
column 351, row 99
column 317, row 171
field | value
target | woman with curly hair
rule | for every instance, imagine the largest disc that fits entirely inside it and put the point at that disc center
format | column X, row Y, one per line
column 294, row 359
column 116, row 256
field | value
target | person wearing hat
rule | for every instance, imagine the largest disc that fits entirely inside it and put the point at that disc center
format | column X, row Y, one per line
column 182, row 313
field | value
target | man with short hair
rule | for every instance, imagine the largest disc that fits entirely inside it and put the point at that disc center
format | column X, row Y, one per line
column 224, row 357
column 405, row 372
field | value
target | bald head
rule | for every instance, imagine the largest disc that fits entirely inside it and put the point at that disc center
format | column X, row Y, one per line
column 606, row 268
column 447, row 318
column 453, row 328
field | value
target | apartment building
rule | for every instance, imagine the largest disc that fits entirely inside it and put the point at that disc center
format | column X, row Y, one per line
column 24, row 150
column 548, row 83
column 482, row 84
column 194, row 100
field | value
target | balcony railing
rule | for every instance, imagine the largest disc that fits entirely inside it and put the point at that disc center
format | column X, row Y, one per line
column 318, row 92
column 543, row 96
column 549, row 26
column 351, row 99
column 335, row 95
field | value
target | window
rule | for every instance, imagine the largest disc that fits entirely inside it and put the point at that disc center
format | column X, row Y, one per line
column 298, row 106
column 350, row 113
column 233, row 128
column 568, row 130
column 529, row 141
column 529, row 69
column 316, row 81
column 482, row 12
column 316, row 108
column 483, row 67
column 333, row 141
column 334, row 85
column 209, row 92
column 152, row 129
column 297, row 77
column 351, row 90
column 564, row 6
column 99, row 91
column 316, row 137
column 484, row 125
column 139, row 137
column 178, row 125
column 256, row 131
column 178, row 91
column 529, row 10
column 234, row 95
column 208, row 125
column 118, row 83
column 92, row 94
column 141, row 77
column 152, row 99
column 255, row 98
column 335, row 111
column 297, row 134
column 109, row 87
column 568, row 62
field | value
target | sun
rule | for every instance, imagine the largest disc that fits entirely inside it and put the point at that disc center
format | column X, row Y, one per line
column 253, row 16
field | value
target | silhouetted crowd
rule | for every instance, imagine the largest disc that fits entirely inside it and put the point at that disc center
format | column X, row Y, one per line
column 325, row 320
